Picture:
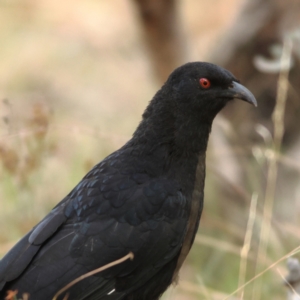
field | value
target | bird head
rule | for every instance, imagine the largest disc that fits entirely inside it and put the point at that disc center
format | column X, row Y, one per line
column 203, row 89
column 182, row 111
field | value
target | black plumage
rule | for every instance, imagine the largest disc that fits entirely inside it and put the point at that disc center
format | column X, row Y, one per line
column 145, row 198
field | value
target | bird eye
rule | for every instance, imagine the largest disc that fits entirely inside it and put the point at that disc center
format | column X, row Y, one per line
column 204, row 82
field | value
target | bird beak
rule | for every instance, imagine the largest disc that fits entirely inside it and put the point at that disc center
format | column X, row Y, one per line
column 238, row 91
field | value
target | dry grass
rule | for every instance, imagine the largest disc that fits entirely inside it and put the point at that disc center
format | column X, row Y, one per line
column 77, row 79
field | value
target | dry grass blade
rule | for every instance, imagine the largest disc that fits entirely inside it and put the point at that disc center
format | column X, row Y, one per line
column 287, row 283
column 130, row 256
column 215, row 243
column 247, row 243
column 11, row 294
column 278, row 116
column 291, row 253
column 200, row 290
column 25, row 296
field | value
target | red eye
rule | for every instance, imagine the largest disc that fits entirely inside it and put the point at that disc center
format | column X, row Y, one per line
column 204, row 82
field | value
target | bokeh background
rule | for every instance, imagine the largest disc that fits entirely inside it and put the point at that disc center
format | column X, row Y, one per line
column 75, row 77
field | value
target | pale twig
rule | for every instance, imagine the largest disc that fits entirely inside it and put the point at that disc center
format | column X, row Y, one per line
column 91, row 273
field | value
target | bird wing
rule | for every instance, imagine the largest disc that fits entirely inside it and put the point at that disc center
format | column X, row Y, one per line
column 148, row 219
column 104, row 218
column 19, row 257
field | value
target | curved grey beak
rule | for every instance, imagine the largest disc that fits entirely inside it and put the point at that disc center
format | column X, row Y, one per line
column 238, row 91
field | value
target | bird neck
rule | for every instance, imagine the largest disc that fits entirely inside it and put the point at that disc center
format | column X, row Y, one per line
column 164, row 127
column 170, row 148
column 191, row 137
column 171, row 144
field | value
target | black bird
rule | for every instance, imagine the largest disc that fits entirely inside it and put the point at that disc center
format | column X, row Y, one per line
column 146, row 198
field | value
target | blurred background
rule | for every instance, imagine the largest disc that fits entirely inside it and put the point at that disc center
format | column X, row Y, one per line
column 75, row 77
